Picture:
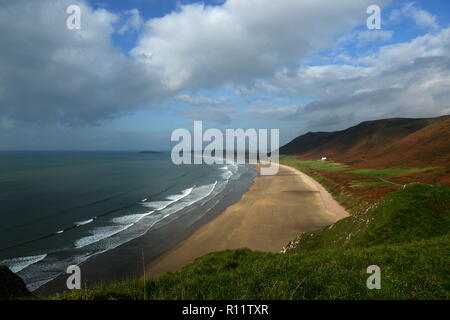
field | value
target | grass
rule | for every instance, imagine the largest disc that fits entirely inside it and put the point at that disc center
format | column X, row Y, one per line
column 328, row 166
column 339, row 193
column 366, row 184
column 415, row 270
column 354, row 188
column 418, row 212
column 385, row 173
column 406, row 235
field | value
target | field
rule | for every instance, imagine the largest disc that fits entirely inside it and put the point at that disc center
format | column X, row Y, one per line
column 385, row 173
column 361, row 186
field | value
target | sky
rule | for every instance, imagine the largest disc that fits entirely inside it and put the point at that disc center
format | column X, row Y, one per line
column 137, row 70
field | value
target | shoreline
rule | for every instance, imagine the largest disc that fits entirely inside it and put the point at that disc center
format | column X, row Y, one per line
column 229, row 225
column 273, row 211
column 125, row 262
column 330, row 203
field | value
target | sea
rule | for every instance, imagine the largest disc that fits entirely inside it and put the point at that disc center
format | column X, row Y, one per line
column 62, row 208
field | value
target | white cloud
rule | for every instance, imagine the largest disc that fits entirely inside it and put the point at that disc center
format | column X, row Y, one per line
column 200, row 100
column 274, row 112
column 422, row 18
column 53, row 74
column 219, row 115
column 406, row 79
column 252, row 46
column 366, row 36
column 205, row 46
column 133, row 22
column 428, row 45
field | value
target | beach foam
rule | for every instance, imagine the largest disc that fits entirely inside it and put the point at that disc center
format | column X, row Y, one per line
column 82, row 223
column 18, row 264
column 161, row 205
column 100, row 233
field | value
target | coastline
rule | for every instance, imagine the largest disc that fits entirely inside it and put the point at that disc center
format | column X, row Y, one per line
column 273, row 211
column 261, row 213
column 328, row 200
column 126, row 261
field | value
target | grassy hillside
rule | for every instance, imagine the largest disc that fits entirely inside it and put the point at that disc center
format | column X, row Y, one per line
column 356, row 188
column 417, row 212
column 380, row 144
column 406, row 235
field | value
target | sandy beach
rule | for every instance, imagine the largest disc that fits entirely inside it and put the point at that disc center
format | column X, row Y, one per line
column 270, row 214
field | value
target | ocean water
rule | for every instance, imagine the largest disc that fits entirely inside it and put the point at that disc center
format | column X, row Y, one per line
column 61, row 208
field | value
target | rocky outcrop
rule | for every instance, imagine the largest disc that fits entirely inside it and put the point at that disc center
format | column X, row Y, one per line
column 11, row 285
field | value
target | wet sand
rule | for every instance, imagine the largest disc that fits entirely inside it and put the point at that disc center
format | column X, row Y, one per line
column 271, row 213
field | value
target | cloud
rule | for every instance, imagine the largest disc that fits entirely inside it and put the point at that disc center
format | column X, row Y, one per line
column 74, row 77
column 418, row 89
column 410, row 79
column 133, row 22
column 422, row 18
column 51, row 74
column 201, row 101
column 218, row 115
column 54, row 75
column 367, row 36
column 202, row 46
column 392, row 56
column 274, row 112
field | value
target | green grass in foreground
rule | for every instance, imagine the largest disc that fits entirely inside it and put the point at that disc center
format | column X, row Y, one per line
column 406, row 235
column 413, row 270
